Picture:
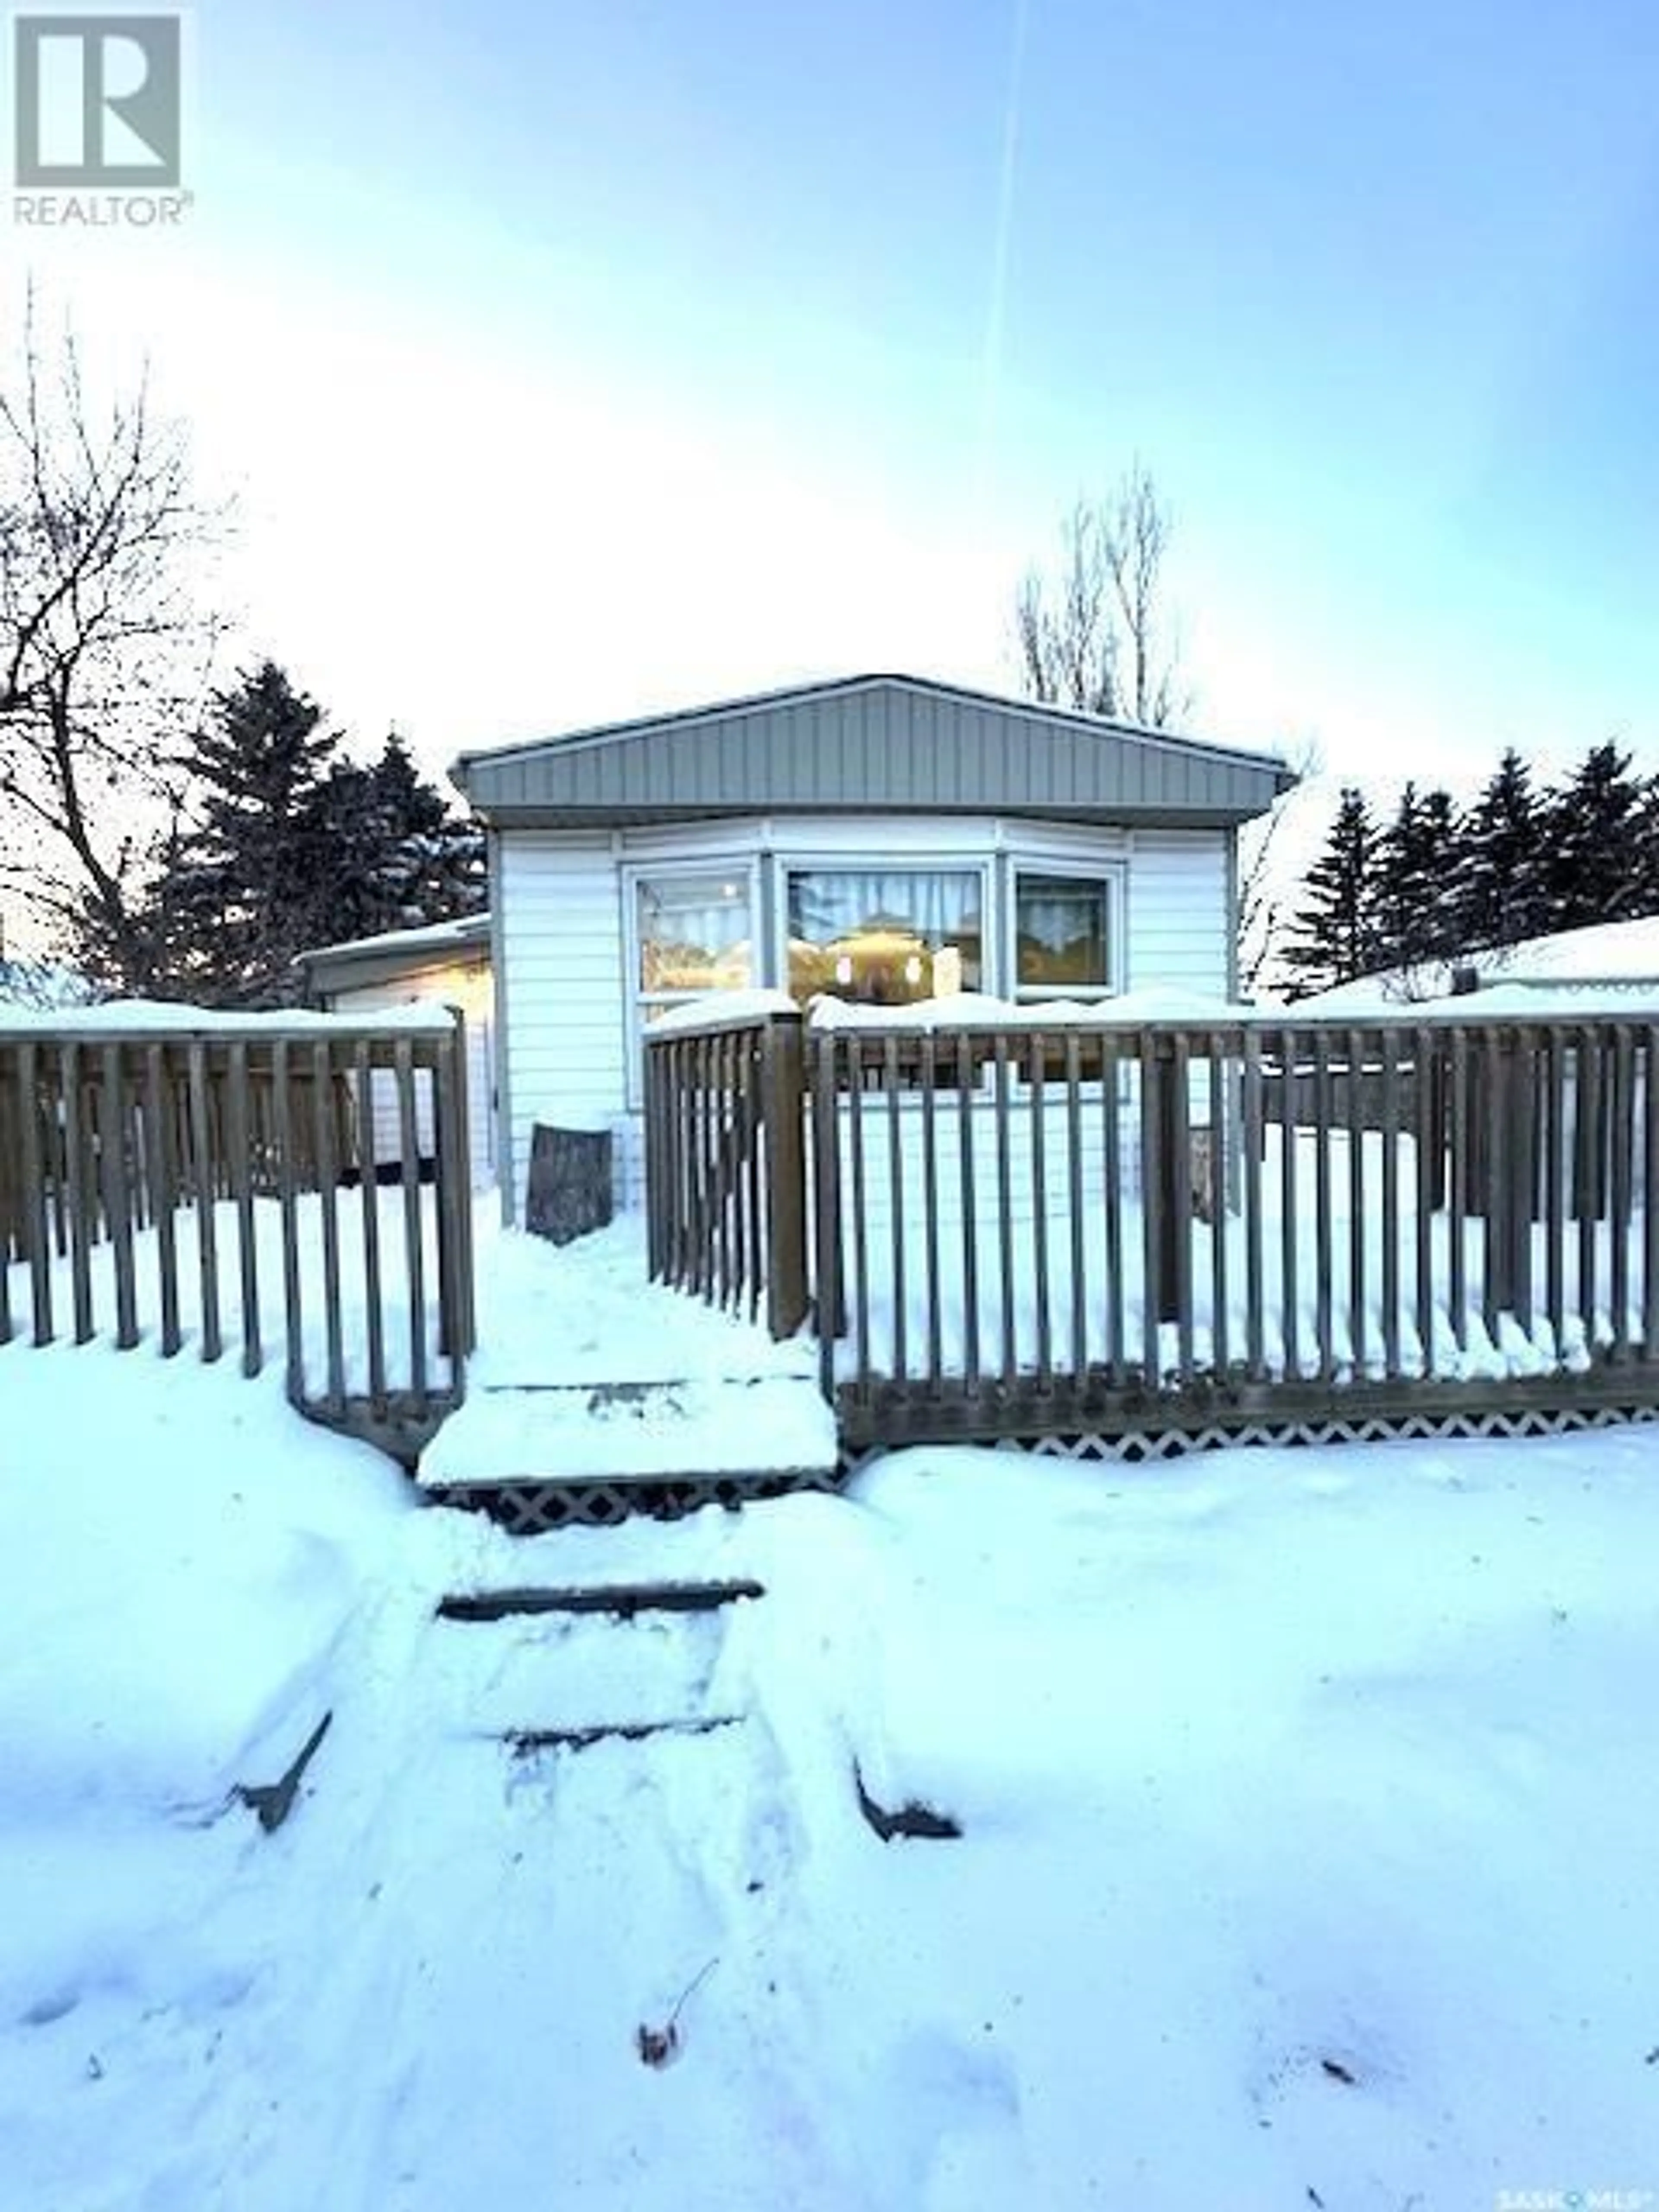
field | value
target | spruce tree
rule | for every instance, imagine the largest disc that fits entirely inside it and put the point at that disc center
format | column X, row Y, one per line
column 1598, row 866
column 246, row 886
column 1415, row 865
column 1333, row 937
column 1502, row 894
column 403, row 856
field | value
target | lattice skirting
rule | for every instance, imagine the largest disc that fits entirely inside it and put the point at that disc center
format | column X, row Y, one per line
column 1137, row 1445
column 530, row 1508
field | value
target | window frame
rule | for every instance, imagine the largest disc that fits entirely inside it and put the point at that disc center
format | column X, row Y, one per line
column 862, row 861
column 728, row 868
column 1113, row 875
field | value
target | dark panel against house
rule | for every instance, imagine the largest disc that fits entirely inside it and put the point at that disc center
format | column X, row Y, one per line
column 889, row 745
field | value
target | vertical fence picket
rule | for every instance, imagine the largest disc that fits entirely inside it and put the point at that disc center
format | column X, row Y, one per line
column 1588, row 1179
column 1075, row 1205
column 328, row 1192
column 202, row 1180
column 928, row 1104
column 77, row 1197
column 369, row 1193
column 1289, row 1232
column 414, row 1254
column 116, row 1183
column 36, row 1214
column 852, row 1048
column 826, row 1208
column 1324, row 1116
column 1650, row 1192
column 967, row 1077
column 240, row 1127
column 1154, row 1183
column 1221, row 1155
column 1621, row 1136
column 1005, row 1211
column 1425, row 1184
column 1253, row 1138
column 1111, row 1147
column 1389, row 1062
column 1036, row 1113
column 1353, row 1089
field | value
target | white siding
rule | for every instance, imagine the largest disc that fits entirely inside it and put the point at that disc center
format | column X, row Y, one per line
column 467, row 988
column 564, row 987
column 1178, row 921
column 563, row 992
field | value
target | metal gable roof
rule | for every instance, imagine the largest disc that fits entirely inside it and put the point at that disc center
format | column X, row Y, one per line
column 869, row 744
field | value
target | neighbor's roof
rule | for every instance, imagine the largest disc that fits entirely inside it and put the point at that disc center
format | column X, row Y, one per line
column 394, row 952
column 870, row 744
column 1605, row 956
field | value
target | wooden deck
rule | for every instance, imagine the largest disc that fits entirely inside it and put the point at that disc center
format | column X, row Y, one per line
column 244, row 1188
column 1096, row 1233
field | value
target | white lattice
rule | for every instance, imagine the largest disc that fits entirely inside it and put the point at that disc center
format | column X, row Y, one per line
column 1135, row 1445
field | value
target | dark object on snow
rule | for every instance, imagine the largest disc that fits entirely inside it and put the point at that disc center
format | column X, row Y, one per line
column 523, row 1742
column 910, row 1819
column 274, row 1800
column 622, row 1601
column 657, row 2045
column 1338, row 2071
column 569, row 1192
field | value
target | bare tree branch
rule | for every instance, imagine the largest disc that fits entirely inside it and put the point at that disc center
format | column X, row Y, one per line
column 103, row 642
column 1093, row 633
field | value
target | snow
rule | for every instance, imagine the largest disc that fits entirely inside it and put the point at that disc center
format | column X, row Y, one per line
column 1591, row 970
column 722, row 1010
column 148, row 1017
column 429, row 937
column 1307, row 1802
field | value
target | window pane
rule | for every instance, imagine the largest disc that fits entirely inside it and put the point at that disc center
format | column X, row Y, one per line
column 1060, row 932
column 694, row 932
column 884, row 936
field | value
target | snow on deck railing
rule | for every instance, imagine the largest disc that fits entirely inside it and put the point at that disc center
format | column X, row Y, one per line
column 174, row 1174
column 1067, row 1216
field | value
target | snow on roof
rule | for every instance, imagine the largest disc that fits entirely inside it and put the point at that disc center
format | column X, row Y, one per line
column 1613, row 955
column 467, row 929
column 154, row 1016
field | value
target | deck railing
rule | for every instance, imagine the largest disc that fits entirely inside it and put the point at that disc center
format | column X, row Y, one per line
column 223, row 1186
column 724, row 1164
column 1094, row 1226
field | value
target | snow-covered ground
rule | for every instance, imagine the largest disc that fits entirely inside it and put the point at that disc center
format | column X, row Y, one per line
column 1308, row 1805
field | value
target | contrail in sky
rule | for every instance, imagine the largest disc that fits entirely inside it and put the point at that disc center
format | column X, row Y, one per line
column 990, row 368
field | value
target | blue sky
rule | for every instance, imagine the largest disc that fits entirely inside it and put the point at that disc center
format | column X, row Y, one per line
column 573, row 359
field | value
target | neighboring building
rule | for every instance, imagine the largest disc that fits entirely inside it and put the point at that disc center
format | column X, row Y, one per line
column 445, row 964
column 882, row 838
column 1614, row 958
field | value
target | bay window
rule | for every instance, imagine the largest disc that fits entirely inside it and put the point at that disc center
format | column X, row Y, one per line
column 1065, row 933
column 884, row 936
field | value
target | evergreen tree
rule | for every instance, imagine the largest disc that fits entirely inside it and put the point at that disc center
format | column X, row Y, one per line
column 290, row 846
column 1503, row 893
column 403, row 856
column 1599, row 866
column 1416, row 860
column 247, row 886
column 1333, row 937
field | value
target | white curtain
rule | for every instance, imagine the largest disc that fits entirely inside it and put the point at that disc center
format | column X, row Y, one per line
column 940, row 905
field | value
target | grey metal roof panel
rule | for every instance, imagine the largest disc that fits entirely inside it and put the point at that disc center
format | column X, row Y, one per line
column 893, row 744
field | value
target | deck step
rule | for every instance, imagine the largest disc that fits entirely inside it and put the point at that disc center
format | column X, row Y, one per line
column 617, row 1601
column 697, row 1431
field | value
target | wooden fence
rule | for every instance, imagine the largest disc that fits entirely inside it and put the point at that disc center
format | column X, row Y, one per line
column 219, row 1185
column 1097, row 1228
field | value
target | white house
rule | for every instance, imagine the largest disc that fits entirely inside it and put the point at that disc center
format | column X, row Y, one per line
column 882, row 838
